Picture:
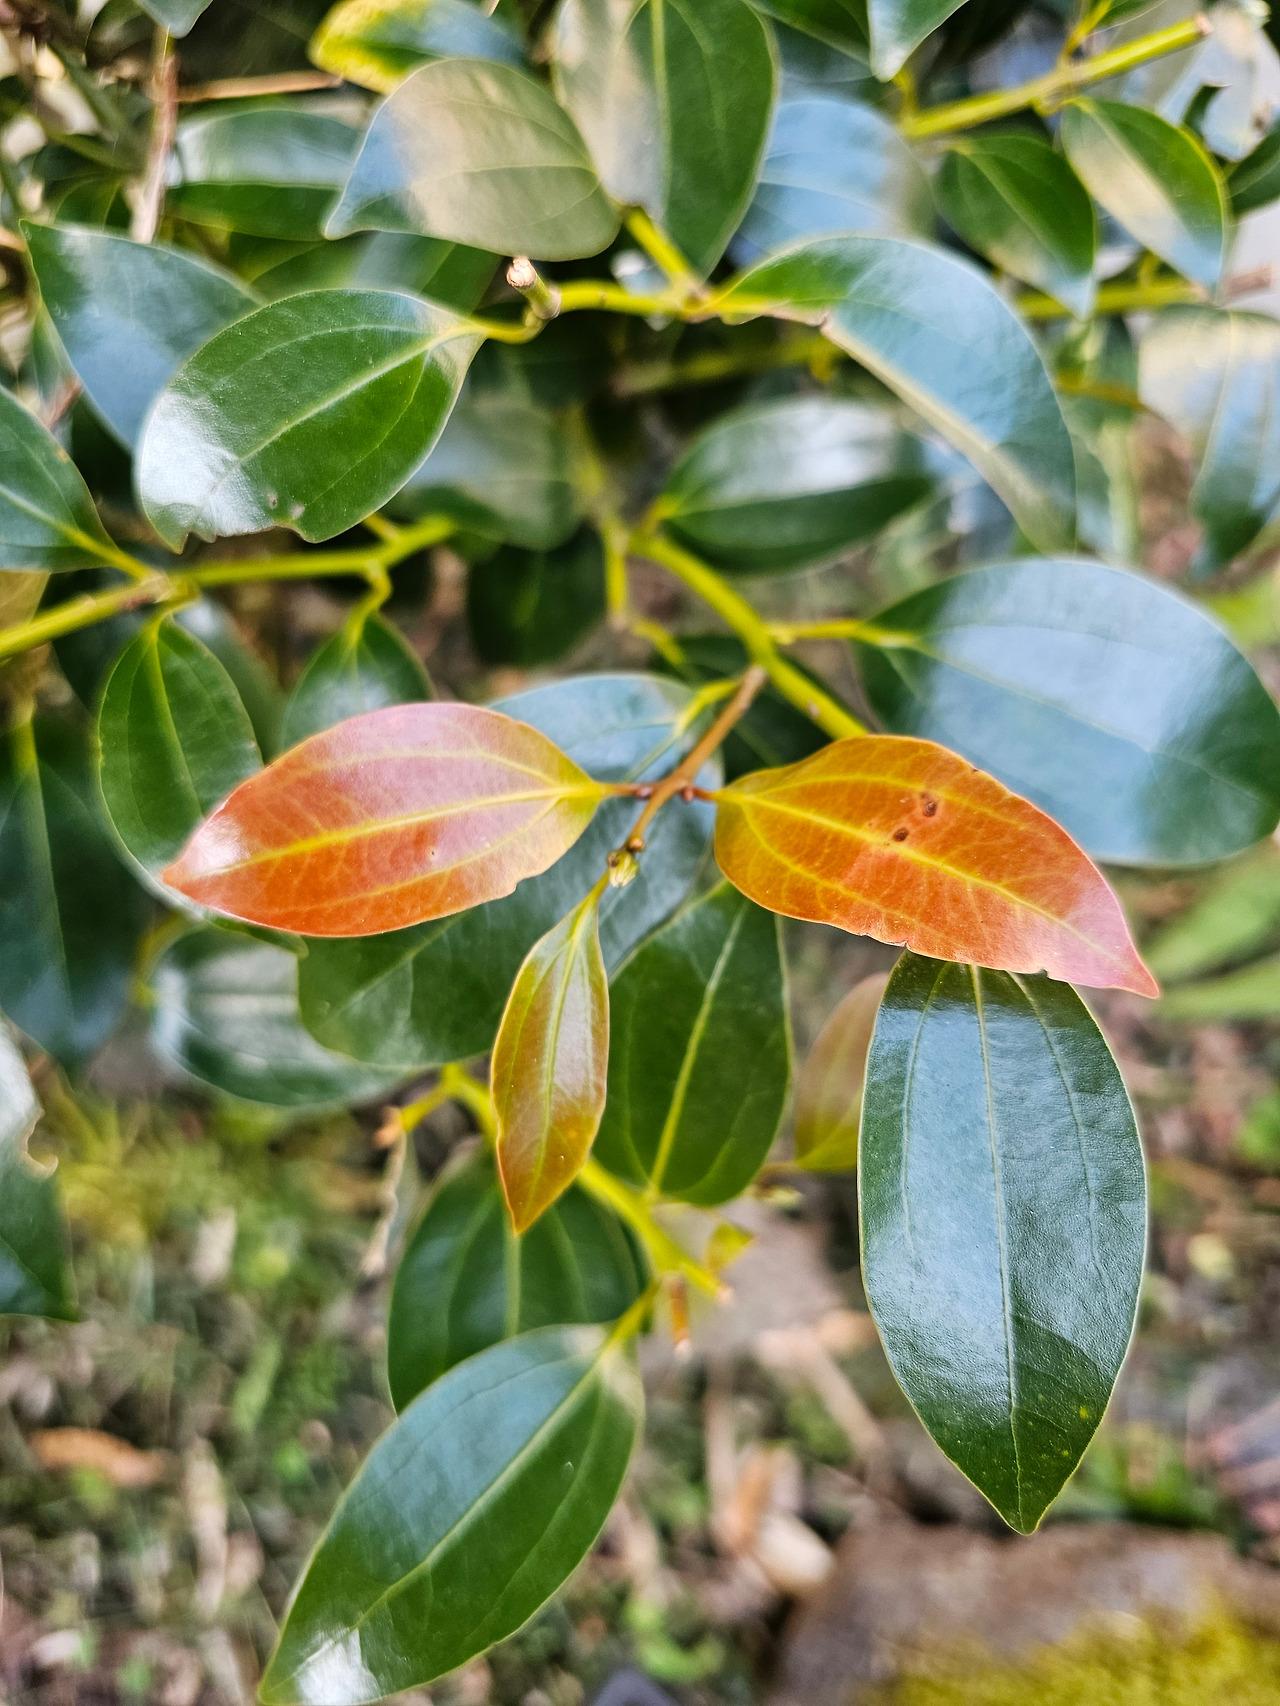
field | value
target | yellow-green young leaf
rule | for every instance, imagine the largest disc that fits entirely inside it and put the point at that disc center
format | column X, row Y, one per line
column 550, row 1064
column 829, row 1090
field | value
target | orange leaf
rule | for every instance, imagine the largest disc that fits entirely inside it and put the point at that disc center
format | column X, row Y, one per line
column 829, row 1089
column 403, row 814
column 904, row 841
column 550, row 1064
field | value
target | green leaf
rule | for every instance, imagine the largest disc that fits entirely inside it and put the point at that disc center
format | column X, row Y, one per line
column 1016, row 201
column 789, row 483
column 259, row 692
column 1225, row 402
column 377, row 43
column 833, row 165
column 469, row 1513
column 1153, row 178
column 47, row 518
column 532, row 607
column 225, row 1009
column 34, row 1276
column 128, row 314
column 177, row 16
column 70, row 914
column 367, row 664
column 1255, row 181
column 465, row 1281
column 173, row 741
column 273, row 171
column 480, row 154
column 1003, row 1210
column 830, row 1085
column 773, row 732
column 1097, row 369
column 504, row 468
column 1237, row 914
column 1113, row 703
column 1251, row 993
column 897, row 27
column 840, row 23
column 674, row 98
column 311, row 412
column 932, row 328
column 447, row 273
column 435, row 993
column 700, row 1052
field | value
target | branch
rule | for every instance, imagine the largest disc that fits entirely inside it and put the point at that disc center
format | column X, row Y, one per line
column 157, row 589
column 164, row 125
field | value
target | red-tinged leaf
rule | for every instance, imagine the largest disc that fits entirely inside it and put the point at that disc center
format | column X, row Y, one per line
column 904, row 841
column 387, row 819
column 829, row 1089
column 550, row 1064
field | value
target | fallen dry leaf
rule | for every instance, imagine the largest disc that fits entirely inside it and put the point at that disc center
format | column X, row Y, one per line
column 86, row 1448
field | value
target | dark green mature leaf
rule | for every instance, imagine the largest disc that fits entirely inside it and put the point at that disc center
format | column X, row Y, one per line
column 435, row 993
column 897, row 27
column 1226, row 403
column 935, row 331
column 1238, row 914
column 34, row 1278
column 1153, row 178
column 504, row 468
column 465, row 1517
column 177, row 16
column 1117, row 706
column 833, row 165
column 772, row 732
column 1255, row 181
column 700, row 1052
column 173, row 741
column 448, row 273
column 1016, row 201
column 1003, row 1210
column 480, row 154
column 225, row 1009
column 466, row 1281
column 47, row 518
column 839, row 23
column 377, row 45
column 367, row 664
column 532, row 607
column 70, row 914
column 273, row 171
column 128, row 314
column 674, row 98
column 789, row 483
column 258, row 689
column 1097, row 368
column 311, row 412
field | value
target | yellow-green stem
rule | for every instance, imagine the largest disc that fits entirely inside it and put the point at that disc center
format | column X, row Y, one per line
column 838, row 628
column 714, row 590
column 630, row 1206
column 1056, row 86
column 663, row 252
column 93, row 607
column 1114, row 299
column 301, row 565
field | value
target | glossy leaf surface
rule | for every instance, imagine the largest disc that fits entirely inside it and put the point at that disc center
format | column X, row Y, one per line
column 436, row 993
column 1255, row 181
column 1117, row 706
column 47, row 518
column 448, row 273
column 34, row 1278
column 1153, row 178
column 403, row 814
column 1003, row 1209
column 225, row 1009
column 272, row 171
column 1015, row 200
column 829, row 1088
column 173, row 741
column 674, row 99
column 1215, row 376
column 465, row 1281
column 177, row 16
column 531, row 607
column 128, row 314
column 504, row 468
column 309, row 413
column 785, row 484
column 897, row 27
column 832, row 165
column 549, row 1064
column 253, row 681
column 70, row 914
column 839, row 23
column 480, row 154
column 378, row 45
column 933, row 330
column 467, row 1514
column 366, row 666
column 902, row 840
column 700, row 1052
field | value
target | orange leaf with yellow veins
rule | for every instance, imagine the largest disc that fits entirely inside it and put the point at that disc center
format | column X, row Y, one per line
column 387, row 819
column 904, row 841
column 551, row 1064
